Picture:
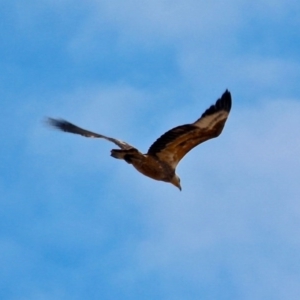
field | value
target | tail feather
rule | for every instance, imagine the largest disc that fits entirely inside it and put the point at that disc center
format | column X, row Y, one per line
column 117, row 153
column 127, row 155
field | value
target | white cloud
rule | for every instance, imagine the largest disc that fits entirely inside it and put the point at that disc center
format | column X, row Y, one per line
column 179, row 23
column 137, row 25
column 88, row 219
column 267, row 72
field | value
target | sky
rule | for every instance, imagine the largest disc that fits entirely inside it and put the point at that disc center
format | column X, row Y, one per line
column 78, row 224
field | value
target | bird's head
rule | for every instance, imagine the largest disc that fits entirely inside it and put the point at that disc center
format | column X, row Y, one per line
column 176, row 181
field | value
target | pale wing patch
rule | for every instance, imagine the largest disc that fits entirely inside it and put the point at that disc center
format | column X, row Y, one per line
column 208, row 122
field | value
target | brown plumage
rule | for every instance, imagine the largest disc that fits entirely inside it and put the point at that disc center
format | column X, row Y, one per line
column 165, row 153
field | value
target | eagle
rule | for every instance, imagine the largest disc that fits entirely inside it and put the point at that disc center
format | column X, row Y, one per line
column 165, row 153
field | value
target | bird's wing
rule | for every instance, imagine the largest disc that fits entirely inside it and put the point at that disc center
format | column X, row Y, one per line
column 172, row 146
column 69, row 127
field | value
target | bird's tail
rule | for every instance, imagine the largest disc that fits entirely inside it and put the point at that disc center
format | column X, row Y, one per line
column 127, row 155
column 117, row 153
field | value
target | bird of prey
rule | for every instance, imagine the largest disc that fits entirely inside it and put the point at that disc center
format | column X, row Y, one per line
column 164, row 154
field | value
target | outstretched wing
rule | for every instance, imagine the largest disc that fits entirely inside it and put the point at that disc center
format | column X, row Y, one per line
column 69, row 127
column 172, row 146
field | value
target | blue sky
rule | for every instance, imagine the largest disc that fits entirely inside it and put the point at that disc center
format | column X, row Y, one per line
column 77, row 224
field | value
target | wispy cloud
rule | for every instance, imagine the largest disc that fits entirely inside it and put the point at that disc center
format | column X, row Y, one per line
column 78, row 224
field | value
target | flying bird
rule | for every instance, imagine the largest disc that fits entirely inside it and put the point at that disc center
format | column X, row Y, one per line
column 165, row 153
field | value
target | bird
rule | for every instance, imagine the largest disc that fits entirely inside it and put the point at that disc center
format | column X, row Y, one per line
column 165, row 153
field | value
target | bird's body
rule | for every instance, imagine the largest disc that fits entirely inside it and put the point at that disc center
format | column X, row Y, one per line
column 164, row 154
column 148, row 165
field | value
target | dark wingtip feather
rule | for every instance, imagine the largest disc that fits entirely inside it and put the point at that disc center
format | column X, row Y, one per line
column 58, row 124
column 223, row 103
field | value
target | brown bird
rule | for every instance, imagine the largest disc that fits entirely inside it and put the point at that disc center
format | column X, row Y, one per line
column 164, row 154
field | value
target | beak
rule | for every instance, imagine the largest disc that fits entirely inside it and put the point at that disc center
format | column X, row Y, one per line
column 176, row 183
